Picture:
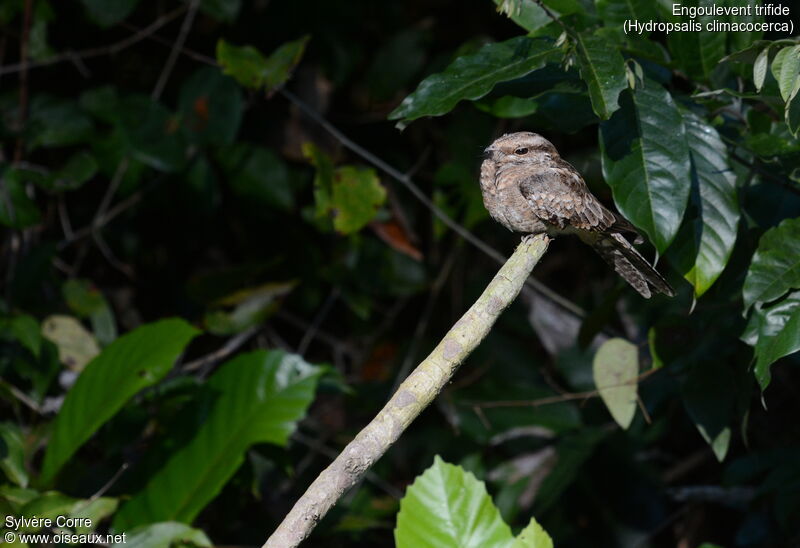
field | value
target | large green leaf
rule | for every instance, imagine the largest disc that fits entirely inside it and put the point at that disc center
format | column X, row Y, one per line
column 132, row 362
column 473, row 76
column 261, row 396
column 164, row 535
column 704, row 247
column 786, row 70
column 447, row 507
column 646, row 161
column 775, row 268
column 603, row 70
column 526, row 13
column 617, row 12
column 615, row 368
column 778, row 330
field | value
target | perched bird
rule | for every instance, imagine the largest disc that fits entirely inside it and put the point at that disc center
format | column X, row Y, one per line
column 528, row 188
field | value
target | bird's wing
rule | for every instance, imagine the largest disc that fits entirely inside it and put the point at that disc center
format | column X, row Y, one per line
column 559, row 196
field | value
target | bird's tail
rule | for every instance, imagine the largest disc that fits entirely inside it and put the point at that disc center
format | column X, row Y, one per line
column 628, row 263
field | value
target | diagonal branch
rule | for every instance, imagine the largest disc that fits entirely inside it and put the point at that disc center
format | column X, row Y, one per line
column 411, row 398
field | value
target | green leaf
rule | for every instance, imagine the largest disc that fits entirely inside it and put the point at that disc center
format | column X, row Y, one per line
column 616, row 12
column 81, row 167
column 525, row 13
column 109, row 12
column 163, row 535
column 132, row 362
column 533, row 536
column 210, row 106
column 258, row 176
column 775, row 268
column 56, row 123
column 17, row 210
column 792, row 115
column 697, row 53
column 448, row 507
column 86, row 301
column 760, row 68
column 76, row 345
column 705, row 244
column 646, row 161
column 786, row 70
column 778, row 335
column 473, row 76
column 12, row 454
column 350, row 195
column 251, row 69
column 615, row 369
column 26, row 330
column 262, row 395
column 603, row 70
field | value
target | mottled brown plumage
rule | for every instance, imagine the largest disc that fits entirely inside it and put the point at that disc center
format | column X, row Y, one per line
column 528, row 188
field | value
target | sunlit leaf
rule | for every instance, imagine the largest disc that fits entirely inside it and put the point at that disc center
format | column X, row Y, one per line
column 261, row 396
column 473, row 76
column 776, row 264
column 448, row 507
column 646, row 161
column 615, row 368
column 132, row 362
column 533, row 536
column 251, row 69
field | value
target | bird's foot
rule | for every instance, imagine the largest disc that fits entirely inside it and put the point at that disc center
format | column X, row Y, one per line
column 526, row 239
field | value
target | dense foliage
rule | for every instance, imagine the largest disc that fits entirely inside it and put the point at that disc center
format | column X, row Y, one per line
column 219, row 257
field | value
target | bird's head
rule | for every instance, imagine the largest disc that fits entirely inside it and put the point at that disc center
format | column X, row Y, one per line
column 523, row 147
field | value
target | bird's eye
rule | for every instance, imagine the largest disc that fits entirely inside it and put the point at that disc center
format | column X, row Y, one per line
column 521, row 151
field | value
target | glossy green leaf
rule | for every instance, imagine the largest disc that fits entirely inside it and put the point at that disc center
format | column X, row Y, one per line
column 615, row 369
column 164, row 535
column 86, row 301
column 778, row 332
column 109, row 12
column 251, row 69
column 473, row 76
column 12, row 454
column 533, row 536
column 448, row 507
column 132, row 362
column 210, row 105
column 702, row 250
column 760, row 68
column 76, row 345
column 349, row 195
column 646, row 161
column 775, row 268
column 261, row 396
column 603, row 70
column 786, row 70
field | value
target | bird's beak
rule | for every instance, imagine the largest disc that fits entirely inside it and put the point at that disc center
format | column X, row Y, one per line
column 487, row 152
